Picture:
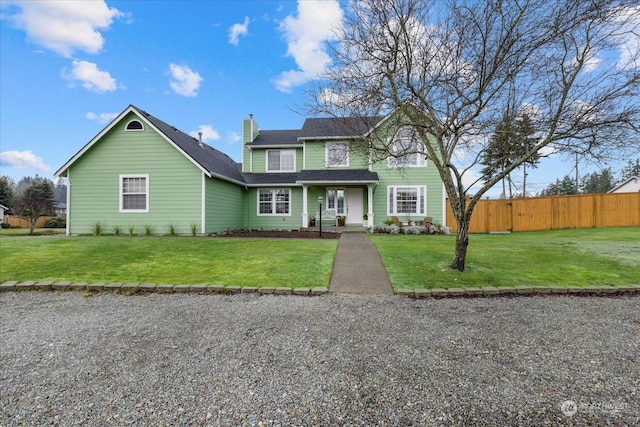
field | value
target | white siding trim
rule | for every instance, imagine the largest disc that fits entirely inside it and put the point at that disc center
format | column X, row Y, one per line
column 203, row 205
column 68, row 226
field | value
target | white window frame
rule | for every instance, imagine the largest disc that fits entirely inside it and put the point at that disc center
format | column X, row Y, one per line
column 329, row 162
column 273, row 201
column 122, row 194
column 126, row 128
column 291, row 152
column 392, row 199
column 403, row 140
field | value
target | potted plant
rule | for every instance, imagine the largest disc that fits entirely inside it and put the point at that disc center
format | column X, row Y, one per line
column 312, row 221
column 342, row 220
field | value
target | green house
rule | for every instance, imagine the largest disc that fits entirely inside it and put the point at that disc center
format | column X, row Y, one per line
column 141, row 173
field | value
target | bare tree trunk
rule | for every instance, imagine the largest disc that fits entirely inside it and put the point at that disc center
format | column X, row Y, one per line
column 32, row 225
column 462, row 242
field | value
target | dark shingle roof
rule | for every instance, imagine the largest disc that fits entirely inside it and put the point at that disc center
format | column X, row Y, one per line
column 212, row 160
column 270, row 178
column 338, row 176
column 276, row 137
column 336, row 127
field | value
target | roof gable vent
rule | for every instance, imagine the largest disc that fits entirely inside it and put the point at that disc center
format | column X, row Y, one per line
column 134, row 125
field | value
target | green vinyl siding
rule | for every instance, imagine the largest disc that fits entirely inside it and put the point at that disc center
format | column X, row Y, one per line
column 259, row 158
column 224, row 206
column 418, row 176
column 315, row 157
column 292, row 221
column 174, row 183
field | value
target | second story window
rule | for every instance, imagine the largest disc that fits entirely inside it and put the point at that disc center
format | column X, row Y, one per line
column 281, row 161
column 336, row 154
column 407, row 149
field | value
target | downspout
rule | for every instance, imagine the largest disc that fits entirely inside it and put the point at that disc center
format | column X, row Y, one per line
column 203, row 206
column 68, row 225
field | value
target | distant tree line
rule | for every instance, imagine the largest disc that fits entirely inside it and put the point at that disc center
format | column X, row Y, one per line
column 595, row 182
column 31, row 197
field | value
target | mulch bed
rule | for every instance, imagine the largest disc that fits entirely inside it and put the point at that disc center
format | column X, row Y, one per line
column 296, row 234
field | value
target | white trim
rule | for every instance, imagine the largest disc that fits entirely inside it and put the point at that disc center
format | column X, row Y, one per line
column 133, row 175
column 391, row 208
column 326, row 154
column 266, row 161
column 273, row 201
column 126, row 127
column 68, row 219
column 203, row 206
column 444, row 205
column 140, row 115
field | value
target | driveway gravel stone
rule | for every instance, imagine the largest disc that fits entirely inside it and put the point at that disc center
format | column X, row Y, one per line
column 68, row 358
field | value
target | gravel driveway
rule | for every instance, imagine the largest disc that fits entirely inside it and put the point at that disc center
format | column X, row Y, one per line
column 192, row 360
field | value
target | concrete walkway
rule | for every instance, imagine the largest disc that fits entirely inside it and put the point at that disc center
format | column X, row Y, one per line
column 358, row 267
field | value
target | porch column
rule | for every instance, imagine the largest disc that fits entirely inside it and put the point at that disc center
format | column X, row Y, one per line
column 370, row 205
column 305, row 212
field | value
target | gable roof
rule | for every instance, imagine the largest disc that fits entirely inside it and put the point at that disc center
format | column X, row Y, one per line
column 633, row 179
column 337, row 127
column 212, row 162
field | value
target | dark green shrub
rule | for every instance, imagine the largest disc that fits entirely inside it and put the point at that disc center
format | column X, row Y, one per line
column 5, row 225
column 56, row 222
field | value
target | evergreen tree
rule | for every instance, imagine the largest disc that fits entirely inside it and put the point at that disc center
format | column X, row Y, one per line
column 563, row 187
column 7, row 193
column 597, row 182
column 631, row 169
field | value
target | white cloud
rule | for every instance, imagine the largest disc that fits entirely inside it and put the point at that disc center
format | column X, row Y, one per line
column 65, row 26
column 184, row 81
column 90, row 77
column 629, row 43
column 238, row 30
column 208, row 133
column 23, row 160
column 306, row 34
column 233, row 137
column 102, row 117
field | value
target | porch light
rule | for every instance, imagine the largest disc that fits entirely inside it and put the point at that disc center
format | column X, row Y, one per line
column 320, row 200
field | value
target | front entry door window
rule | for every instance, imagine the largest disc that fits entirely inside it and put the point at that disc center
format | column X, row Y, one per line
column 335, row 200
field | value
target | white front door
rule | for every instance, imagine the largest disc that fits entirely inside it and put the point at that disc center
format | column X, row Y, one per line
column 354, row 206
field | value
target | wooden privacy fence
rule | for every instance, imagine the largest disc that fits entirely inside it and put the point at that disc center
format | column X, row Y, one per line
column 553, row 213
column 15, row 221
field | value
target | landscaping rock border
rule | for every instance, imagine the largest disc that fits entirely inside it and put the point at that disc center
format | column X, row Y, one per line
column 203, row 288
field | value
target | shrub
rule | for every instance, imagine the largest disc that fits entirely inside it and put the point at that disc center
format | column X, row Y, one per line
column 171, row 228
column 56, row 222
column 5, row 225
column 132, row 230
column 97, row 228
column 194, row 228
column 148, row 230
column 116, row 230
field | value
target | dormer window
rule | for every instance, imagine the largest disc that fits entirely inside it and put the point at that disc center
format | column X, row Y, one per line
column 134, row 125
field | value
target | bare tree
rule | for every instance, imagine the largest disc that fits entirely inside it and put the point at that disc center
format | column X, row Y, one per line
column 451, row 70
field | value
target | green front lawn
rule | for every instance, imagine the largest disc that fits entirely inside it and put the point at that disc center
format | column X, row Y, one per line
column 585, row 257
column 171, row 260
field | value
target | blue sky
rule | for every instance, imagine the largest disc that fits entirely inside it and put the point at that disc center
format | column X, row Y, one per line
column 67, row 68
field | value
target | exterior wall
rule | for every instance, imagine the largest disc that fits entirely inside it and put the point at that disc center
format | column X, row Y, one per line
column 224, row 206
column 259, row 158
column 275, row 222
column 427, row 176
column 315, row 157
column 94, row 182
